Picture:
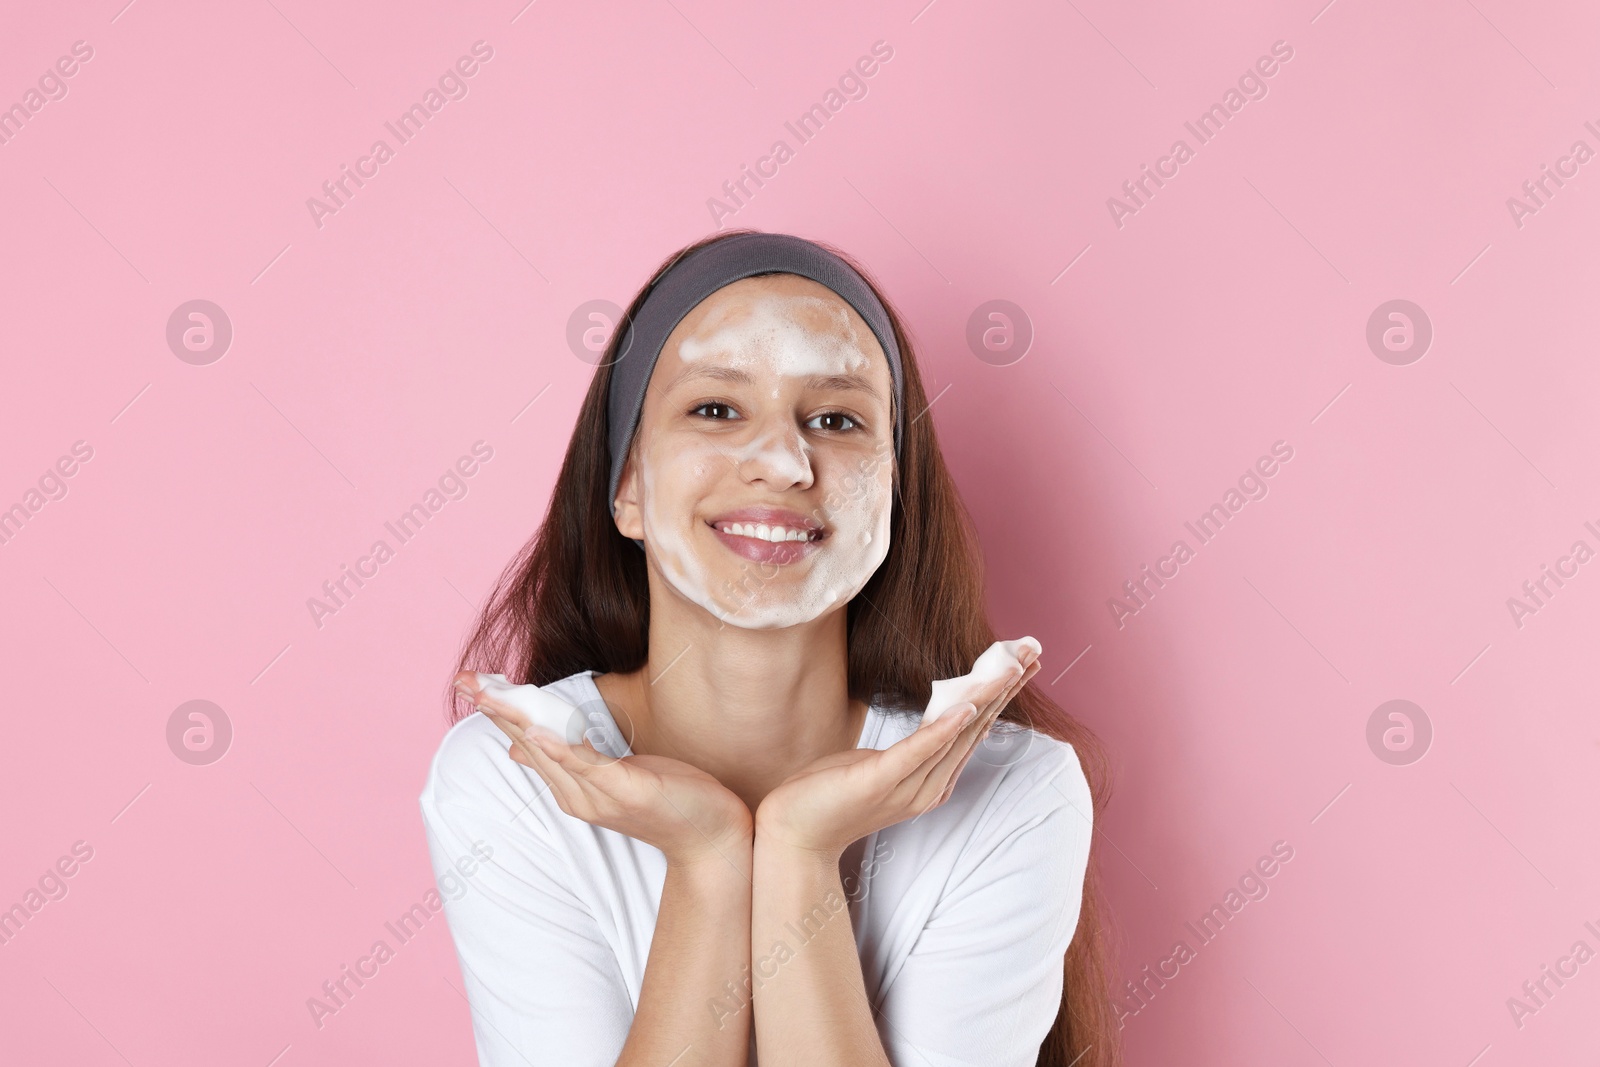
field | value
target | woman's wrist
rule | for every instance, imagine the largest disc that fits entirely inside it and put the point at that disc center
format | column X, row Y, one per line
column 774, row 844
column 715, row 858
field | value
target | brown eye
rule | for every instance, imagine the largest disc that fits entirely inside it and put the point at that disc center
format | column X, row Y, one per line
column 835, row 418
column 717, row 409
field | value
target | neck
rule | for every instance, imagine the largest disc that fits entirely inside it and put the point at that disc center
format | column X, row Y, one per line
column 748, row 707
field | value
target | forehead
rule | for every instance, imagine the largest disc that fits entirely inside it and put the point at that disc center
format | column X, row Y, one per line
column 774, row 323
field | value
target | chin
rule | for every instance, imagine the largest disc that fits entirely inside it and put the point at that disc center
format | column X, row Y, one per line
column 775, row 613
column 780, row 623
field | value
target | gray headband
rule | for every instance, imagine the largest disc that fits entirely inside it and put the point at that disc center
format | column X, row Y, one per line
column 689, row 280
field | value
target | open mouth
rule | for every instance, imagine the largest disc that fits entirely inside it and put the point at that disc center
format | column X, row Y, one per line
column 763, row 532
column 769, row 535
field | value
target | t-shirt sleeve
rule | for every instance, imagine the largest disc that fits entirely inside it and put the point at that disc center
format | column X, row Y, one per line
column 542, row 984
column 983, row 982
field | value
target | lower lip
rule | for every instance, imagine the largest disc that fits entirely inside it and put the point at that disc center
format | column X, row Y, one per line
column 777, row 553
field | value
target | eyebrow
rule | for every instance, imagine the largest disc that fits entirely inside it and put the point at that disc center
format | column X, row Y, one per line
column 742, row 377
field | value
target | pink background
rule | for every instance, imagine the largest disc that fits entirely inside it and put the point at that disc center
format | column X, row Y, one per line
column 1229, row 313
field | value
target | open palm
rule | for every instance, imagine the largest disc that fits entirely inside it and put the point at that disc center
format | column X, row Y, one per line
column 844, row 796
column 680, row 809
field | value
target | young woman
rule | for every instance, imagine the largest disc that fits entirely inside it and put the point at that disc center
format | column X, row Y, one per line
column 745, row 839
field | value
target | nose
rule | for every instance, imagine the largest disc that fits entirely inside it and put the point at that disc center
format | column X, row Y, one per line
column 778, row 457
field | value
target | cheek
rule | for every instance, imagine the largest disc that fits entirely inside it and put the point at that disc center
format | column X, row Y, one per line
column 881, row 497
column 675, row 473
column 668, row 477
column 861, row 517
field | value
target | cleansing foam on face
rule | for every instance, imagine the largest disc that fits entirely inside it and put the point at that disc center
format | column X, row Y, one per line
column 998, row 660
column 544, row 711
column 781, row 341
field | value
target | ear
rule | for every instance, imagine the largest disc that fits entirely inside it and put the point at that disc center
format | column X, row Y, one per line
column 629, row 520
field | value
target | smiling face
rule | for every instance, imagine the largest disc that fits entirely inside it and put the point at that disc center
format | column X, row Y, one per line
column 761, row 475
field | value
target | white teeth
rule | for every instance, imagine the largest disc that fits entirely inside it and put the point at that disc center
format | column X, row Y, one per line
column 763, row 532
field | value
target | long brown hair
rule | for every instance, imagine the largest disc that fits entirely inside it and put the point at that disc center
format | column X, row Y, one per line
column 576, row 598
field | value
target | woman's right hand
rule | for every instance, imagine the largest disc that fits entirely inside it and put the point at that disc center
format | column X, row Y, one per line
column 678, row 808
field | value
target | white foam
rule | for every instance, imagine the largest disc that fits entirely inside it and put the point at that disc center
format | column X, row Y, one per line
column 771, row 329
column 998, row 660
column 545, row 711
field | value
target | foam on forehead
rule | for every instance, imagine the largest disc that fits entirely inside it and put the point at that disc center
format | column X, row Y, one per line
column 781, row 331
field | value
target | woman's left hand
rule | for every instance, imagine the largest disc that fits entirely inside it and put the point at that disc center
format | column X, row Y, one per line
column 844, row 796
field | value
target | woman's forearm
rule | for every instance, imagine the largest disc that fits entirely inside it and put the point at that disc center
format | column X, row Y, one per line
column 811, row 1002
column 701, row 945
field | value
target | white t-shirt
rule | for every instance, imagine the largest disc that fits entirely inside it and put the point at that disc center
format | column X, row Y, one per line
column 962, row 916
